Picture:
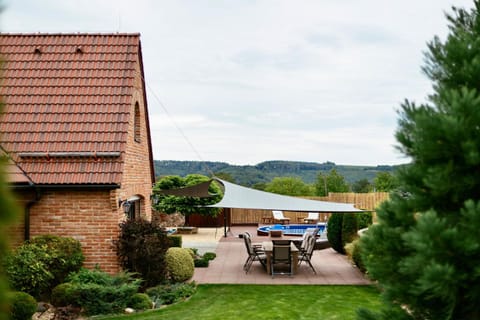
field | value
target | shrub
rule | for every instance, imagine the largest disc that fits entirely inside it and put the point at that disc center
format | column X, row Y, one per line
column 141, row 249
column 22, row 305
column 365, row 219
column 27, row 271
column 140, row 301
column 334, row 233
column 176, row 241
column 209, row 256
column 180, row 265
column 170, row 293
column 353, row 250
column 201, row 263
column 65, row 256
column 40, row 264
column 97, row 292
column 357, row 256
column 63, row 295
column 349, row 228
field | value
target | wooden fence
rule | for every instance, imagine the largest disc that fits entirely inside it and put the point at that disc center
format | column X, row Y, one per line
column 365, row 201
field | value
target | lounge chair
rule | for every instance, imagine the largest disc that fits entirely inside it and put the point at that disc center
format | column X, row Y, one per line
column 281, row 255
column 254, row 254
column 307, row 251
column 312, row 218
column 279, row 217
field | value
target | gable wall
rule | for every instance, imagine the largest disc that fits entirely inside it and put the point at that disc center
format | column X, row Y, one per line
column 137, row 173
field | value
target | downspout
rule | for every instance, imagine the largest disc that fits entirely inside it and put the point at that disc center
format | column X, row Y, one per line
column 27, row 214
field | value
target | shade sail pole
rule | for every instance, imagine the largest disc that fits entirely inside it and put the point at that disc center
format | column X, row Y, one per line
column 225, row 222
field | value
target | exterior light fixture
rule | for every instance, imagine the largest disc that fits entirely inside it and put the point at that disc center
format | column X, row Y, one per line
column 126, row 206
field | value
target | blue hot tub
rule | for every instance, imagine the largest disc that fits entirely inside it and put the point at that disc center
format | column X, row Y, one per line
column 290, row 229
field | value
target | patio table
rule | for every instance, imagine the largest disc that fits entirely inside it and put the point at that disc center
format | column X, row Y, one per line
column 268, row 248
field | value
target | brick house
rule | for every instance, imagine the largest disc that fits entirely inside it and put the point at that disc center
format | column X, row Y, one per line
column 75, row 132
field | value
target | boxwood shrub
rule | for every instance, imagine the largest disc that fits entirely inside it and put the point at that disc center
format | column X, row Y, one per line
column 140, row 301
column 180, row 265
column 22, row 305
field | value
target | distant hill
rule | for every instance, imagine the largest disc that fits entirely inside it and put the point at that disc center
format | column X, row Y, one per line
column 264, row 172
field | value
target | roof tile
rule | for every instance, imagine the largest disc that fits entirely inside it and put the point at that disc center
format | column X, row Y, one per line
column 67, row 93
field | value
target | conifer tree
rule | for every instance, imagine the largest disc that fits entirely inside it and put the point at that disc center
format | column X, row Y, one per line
column 425, row 250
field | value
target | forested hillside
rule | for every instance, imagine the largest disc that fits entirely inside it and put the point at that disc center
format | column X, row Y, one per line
column 264, row 172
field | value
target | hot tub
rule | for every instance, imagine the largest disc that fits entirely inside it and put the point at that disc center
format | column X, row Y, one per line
column 290, row 229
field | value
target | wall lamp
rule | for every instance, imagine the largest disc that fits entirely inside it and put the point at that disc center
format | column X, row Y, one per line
column 126, row 205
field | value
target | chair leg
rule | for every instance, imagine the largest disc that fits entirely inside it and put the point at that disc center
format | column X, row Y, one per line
column 311, row 266
column 249, row 265
column 245, row 264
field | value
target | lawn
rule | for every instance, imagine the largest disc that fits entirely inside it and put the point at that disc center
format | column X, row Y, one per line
column 213, row 302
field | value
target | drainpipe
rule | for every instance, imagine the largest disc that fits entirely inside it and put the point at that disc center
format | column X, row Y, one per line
column 30, row 203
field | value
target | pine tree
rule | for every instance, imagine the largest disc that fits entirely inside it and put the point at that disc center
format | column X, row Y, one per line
column 425, row 250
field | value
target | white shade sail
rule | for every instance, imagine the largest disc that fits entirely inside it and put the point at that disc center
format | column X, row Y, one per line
column 236, row 196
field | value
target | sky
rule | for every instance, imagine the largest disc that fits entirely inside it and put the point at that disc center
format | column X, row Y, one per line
column 247, row 81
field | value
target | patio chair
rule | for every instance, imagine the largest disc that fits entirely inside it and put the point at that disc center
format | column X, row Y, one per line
column 311, row 218
column 306, row 253
column 255, row 245
column 281, row 255
column 278, row 216
column 253, row 254
column 301, row 242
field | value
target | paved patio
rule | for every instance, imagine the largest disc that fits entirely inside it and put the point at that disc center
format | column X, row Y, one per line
column 227, row 267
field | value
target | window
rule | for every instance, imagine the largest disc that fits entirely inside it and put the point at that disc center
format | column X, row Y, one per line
column 134, row 211
column 136, row 124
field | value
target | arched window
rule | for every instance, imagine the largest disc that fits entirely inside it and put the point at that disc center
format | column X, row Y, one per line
column 136, row 124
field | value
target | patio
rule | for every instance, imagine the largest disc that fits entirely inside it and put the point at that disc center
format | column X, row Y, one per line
column 226, row 268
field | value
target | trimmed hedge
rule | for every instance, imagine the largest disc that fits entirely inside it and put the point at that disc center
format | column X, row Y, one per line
column 334, row 233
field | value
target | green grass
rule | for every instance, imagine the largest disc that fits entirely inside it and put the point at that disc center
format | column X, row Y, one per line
column 212, row 302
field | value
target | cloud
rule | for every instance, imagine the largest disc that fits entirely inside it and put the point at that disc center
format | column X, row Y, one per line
column 246, row 81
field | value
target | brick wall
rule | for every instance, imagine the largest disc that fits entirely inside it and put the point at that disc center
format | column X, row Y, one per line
column 137, row 174
column 84, row 215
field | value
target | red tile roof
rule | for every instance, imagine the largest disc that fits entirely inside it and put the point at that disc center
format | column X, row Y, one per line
column 68, row 100
column 14, row 174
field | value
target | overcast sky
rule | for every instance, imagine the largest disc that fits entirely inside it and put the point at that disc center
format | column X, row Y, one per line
column 245, row 81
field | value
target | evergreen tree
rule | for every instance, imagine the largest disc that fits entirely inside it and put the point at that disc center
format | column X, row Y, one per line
column 425, row 250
